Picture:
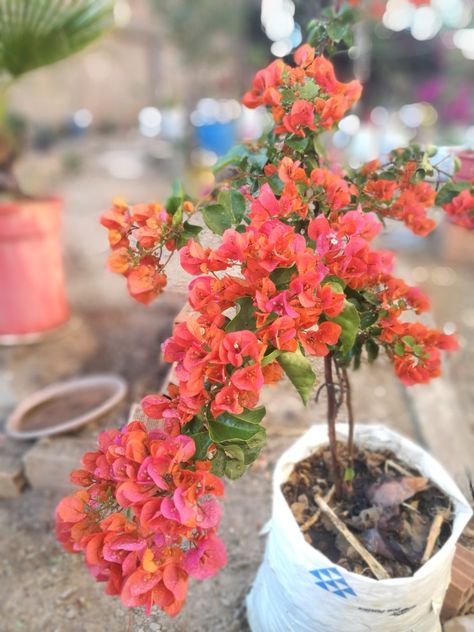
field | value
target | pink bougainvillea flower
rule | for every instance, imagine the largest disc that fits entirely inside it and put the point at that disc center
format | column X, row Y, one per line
column 206, row 559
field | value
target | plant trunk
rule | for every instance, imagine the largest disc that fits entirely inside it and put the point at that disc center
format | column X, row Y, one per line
column 350, row 416
column 331, row 419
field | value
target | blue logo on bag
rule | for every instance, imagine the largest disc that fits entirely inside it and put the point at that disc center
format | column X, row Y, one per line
column 330, row 579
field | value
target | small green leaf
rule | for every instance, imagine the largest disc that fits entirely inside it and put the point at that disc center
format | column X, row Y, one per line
column 349, row 474
column 245, row 316
column 234, row 469
column 217, row 218
column 308, row 91
column 367, row 319
column 332, row 278
column 372, row 349
column 299, row 371
column 349, row 320
column 178, row 216
column 233, row 156
column 399, row 348
column 218, row 462
column 227, row 428
column 234, row 202
column 202, row 441
column 409, row 341
column 234, row 452
column 282, row 276
column 449, row 191
column 299, row 144
column 257, row 441
column 337, row 30
column 253, row 415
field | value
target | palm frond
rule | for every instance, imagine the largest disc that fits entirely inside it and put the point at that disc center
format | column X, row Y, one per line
column 35, row 33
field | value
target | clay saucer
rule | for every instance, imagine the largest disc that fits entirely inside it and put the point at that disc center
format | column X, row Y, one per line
column 65, row 406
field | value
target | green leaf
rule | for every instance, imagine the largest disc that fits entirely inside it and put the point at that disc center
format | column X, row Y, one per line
column 258, row 159
column 219, row 462
column 217, row 218
column 409, row 341
column 191, row 229
column 234, row 469
column 245, row 317
column 333, row 279
column 271, row 357
column 299, row 371
column 308, row 91
column 282, row 276
column 368, row 318
column 349, row 320
column 233, row 156
column 450, row 191
column 202, row 441
column 253, row 415
column 299, row 144
column 227, row 428
column 399, row 348
column 178, row 216
column 35, row 33
column 234, row 452
column 234, row 203
column 337, row 30
column 372, row 349
column 349, row 474
column 257, row 441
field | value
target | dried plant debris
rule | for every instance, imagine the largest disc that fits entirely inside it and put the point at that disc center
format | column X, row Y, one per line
column 391, row 511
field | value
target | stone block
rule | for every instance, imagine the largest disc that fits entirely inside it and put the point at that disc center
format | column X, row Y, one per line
column 48, row 463
column 12, row 478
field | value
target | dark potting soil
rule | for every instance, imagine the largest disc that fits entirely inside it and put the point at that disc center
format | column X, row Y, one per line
column 385, row 510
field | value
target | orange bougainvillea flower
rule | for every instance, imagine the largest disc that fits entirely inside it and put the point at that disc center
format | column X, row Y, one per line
column 316, row 341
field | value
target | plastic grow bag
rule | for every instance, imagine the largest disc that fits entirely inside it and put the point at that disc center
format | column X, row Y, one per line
column 298, row 589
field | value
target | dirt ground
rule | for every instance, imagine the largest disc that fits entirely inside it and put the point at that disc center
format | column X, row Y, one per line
column 43, row 589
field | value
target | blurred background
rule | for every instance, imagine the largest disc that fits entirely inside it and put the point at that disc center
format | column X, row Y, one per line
column 157, row 99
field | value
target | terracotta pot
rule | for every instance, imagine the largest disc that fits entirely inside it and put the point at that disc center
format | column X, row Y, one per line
column 32, row 296
column 466, row 172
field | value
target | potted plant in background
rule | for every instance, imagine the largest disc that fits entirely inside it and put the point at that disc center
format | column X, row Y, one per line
column 293, row 277
column 33, row 34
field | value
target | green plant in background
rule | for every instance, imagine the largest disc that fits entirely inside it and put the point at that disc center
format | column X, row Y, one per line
column 33, row 34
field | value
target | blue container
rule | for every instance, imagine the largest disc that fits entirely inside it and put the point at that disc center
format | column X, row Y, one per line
column 216, row 137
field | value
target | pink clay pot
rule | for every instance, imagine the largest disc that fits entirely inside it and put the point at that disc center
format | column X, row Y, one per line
column 32, row 296
column 466, row 172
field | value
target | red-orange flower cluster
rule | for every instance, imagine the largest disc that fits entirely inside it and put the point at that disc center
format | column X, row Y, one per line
column 461, row 209
column 146, row 518
column 414, row 349
column 138, row 235
column 305, row 97
column 403, row 199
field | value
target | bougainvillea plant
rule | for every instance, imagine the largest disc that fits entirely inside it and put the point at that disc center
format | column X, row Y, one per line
column 294, row 276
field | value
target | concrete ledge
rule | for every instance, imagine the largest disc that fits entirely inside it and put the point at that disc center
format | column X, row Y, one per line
column 48, row 463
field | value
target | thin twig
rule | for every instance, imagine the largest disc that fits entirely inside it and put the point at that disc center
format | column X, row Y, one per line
column 315, row 517
column 433, row 535
column 398, row 468
column 350, row 416
column 377, row 569
column 331, row 419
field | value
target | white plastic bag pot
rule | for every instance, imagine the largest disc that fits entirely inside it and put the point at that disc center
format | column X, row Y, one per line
column 298, row 589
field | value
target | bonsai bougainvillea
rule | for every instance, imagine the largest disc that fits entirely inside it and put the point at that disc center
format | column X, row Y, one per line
column 294, row 276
